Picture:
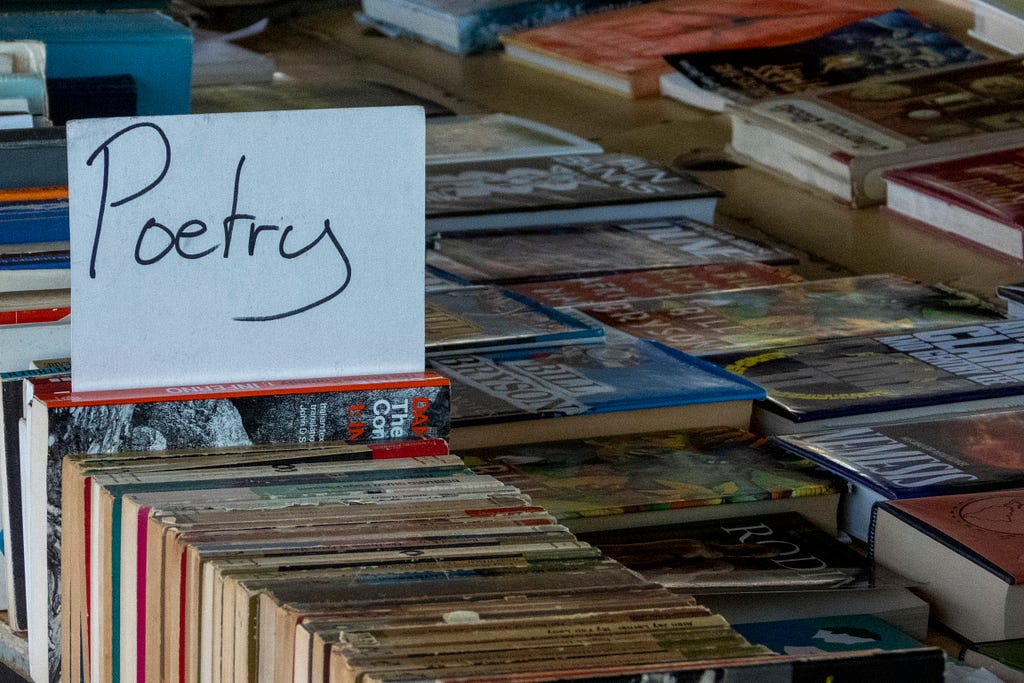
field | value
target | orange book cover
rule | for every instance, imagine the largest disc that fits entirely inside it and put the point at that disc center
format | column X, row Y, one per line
column 629, row 43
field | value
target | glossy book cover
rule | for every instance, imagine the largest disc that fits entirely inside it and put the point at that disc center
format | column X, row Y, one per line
column 926, row 457
column 773, row 316
column 486, row 317
column 622, row 373
column 614, row 476
column 887, row 44
column 860, row 375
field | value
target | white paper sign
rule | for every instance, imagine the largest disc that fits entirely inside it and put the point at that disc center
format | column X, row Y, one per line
column 232, row 247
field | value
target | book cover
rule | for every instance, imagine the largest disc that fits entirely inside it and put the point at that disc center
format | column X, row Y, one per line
column 61, row 422
column 773, row 316
column 964, row 552
column 643, row 479
column 845, row 633
column 34, row 157
column 840, row 139
column 978, row 198
column 563, row 189
column 477, row 318
column 660, row 282
column 773, row 552
column 484, row 137
column 998, row 23
column 856, row 380
column 563, row 251
column 623, row 374
column 34, row 215
column 891, row 43
column 624, row 48
column 467, row 26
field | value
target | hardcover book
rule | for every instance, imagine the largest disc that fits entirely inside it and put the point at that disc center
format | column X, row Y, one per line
column 978, row 199
column 483, row 137
column 861, row 380
column 964, row 552
column 564, row 251
column 915, row 458
column 773, row 316
column 887, row 44
column 642, row 284
column 624, row 385
column 622, row 50
column 660, row 477
column 466, row 26
column 478, row 318
column 562, row 189
column 370, row 409
column 840, row 139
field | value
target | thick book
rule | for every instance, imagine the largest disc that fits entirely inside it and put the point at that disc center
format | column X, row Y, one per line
column 357, row 410
column 999, row 23
column 773, row 316
column 861, row 380
column 622, row 50
column 564, row 189
column 621, row 386
column 915, row 458
column 563, row 251
column 467, row 26
column 483, row 317
column 963, row 551
column 653, row 478
column 891, row 43
column 642, row 284
column 33, row 215
column 839, row 140
column 486, row 137
column 977, row 199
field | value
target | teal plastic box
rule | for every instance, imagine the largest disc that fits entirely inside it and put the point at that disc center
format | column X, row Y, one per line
column 148, row 45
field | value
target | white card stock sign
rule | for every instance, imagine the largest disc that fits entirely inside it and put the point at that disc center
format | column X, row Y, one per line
column 250, row 246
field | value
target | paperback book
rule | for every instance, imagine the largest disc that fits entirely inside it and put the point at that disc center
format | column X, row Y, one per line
column 564, row 189
column 999, row 23
column 564, row 251
column 949, row 543
column 887, row 44
column 976, row 199
column 466, row 26
column 1013, row 295
column 660, row 282
column 660, row 477
column 479, row 318
column 485, row 137
column 33, row 215
column 840, row 139
column 862, row 380
column 774, row 316
column 358, row 410
column 915, row 458
column 622, row 50
column 623, row 385
column 844, row 633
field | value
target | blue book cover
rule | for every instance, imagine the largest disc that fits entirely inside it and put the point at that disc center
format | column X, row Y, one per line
column 820, row 635
column 25, row 222
column 887, row 44
column 621, row 374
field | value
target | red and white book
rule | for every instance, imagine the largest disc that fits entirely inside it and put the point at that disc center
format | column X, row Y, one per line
column 978, row 199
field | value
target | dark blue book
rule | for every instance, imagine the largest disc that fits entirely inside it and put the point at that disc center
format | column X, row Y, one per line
column 624, row 385
column 888, row 44
column 862, row 380
column 24, row 222
column 910, row 459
